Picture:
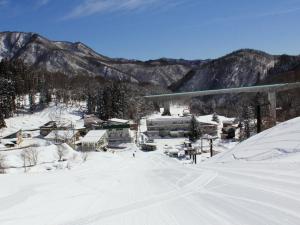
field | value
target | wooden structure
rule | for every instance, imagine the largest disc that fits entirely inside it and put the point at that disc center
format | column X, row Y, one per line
column 47, row 128
column 210, row 139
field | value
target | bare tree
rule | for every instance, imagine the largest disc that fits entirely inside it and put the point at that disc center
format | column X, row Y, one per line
column 29, row 157
column 2, row 163
column 84, row 156
column 61, row 151
column 24, row 158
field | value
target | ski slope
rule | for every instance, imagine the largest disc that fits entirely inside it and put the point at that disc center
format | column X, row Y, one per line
column 259, row 185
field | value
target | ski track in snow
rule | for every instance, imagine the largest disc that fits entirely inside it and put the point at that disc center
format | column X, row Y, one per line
column 155, row 189
column 164, row 192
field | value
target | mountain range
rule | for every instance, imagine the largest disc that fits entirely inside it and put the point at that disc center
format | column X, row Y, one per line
column 244, row 67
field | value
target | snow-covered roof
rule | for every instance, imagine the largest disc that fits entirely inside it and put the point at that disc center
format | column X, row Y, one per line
column 206, row 119
column 93, row 136
column 116, row 120
column 63, row 134
column 158, row 116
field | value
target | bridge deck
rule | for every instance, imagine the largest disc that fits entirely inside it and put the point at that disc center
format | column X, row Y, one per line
column 261, row 88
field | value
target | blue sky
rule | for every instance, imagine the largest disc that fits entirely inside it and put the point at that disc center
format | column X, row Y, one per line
column 148, row 29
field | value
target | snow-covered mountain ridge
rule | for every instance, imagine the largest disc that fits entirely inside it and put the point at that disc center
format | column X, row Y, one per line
column 240, row 68
column 77, row 58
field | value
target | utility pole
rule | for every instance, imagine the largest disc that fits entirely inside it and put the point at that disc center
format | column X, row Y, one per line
column 258, row 118
column 211, row 148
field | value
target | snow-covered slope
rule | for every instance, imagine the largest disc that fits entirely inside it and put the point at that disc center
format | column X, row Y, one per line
column 278, row 143
column 115, row 188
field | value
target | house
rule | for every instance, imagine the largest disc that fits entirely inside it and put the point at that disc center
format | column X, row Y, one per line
column 92, row 121
column 95, row 140
column 175, row 126
column 229, row 129
column 118, row 130
column 47, row 128
column 63, row 136
column 13, row 139
column 207, row 126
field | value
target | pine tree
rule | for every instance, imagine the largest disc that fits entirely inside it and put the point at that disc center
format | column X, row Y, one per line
column 100, row 107
column 7, row 99
column 32, row 101
column 215, row 118
column 195, row 131
column 2, row 121
column 90, row 103
column 247, row 117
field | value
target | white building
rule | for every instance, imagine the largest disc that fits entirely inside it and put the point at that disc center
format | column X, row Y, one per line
column 118, row 130
column 95, row 140
column 176, row 126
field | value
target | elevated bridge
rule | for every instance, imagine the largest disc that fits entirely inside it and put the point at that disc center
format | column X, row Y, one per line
column 271, row 90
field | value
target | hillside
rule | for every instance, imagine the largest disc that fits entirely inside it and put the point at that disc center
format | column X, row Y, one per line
column 280, row 143
column 77, row 58
column 259, row 185
column 245, row 67
column 240, row 68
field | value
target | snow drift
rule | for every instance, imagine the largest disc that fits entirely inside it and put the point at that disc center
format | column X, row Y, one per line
column 281, row 142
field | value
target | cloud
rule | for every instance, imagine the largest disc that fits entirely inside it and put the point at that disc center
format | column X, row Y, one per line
column 90, row 7
column 3, row 3
column 41, row 3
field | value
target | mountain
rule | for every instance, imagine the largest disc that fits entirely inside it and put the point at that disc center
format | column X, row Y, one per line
column 244, row 67
column 77, row 58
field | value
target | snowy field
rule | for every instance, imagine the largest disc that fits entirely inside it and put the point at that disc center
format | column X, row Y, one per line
column 256, row 183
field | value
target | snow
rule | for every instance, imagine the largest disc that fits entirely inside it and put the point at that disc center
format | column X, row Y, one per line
column 206, row 119
column 119, row 120
column 93, row 136
column 60, row 134
column 34, row 121
column 282, row 141
column 259, row 185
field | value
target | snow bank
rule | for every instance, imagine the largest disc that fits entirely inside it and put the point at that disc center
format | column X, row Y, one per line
column 281, row 142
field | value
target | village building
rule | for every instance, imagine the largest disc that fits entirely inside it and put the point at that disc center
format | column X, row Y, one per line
column 47, row 128
column 92, row 121
column 95, row 140
column 118, row 130
column 12, row 139
column 63, row 136
column 174, row 126
column 229, row 129
column 207, row 126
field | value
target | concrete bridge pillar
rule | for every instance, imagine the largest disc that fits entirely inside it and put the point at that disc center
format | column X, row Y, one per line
column 272, row 107
column 166, row 111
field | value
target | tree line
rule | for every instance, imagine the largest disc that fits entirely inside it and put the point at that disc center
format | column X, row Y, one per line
column 105, row 98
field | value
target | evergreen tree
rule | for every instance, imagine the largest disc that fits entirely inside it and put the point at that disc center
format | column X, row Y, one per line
column 90, row 103
column 7, row 99
column 100, row 109
column 247, row 117
column 32, row 101
column 2, row 121
column 195, row 131
column 215, row 118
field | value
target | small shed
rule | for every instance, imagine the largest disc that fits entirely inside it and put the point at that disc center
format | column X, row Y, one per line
column 63, row 136
column 91, row 121
column 47, row 128
column 13, row 139
column 95, row 140
column 207, row 126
